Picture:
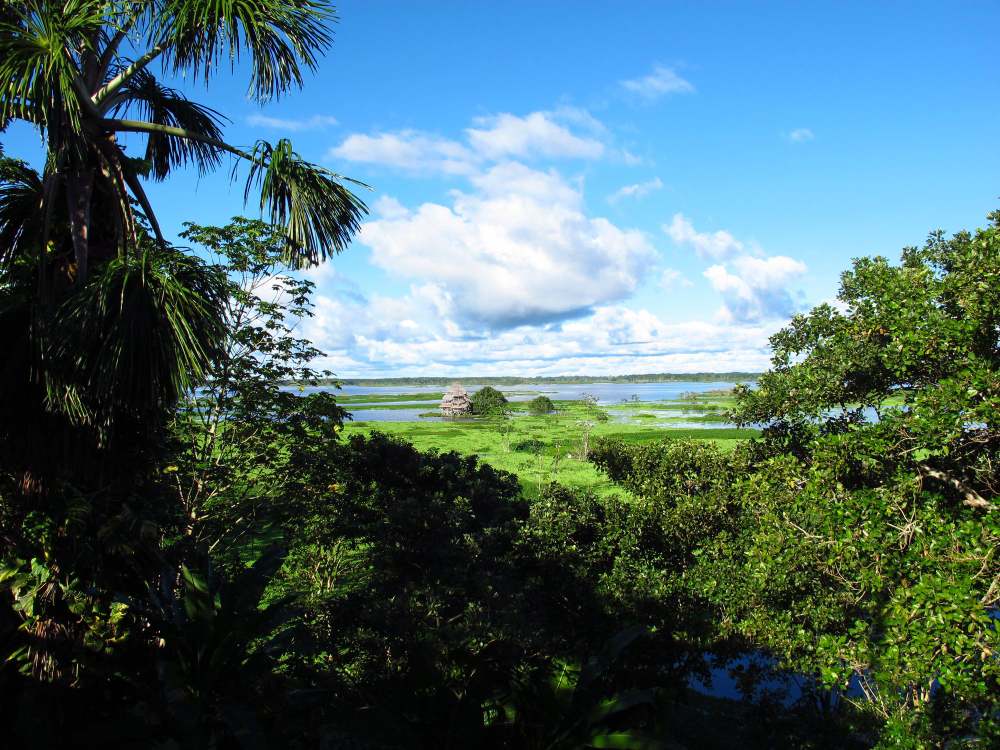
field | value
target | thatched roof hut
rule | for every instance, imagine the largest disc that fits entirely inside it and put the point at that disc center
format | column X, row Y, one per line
column 456, row 401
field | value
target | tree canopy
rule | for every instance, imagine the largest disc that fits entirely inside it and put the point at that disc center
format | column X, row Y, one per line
column 859, row 545
column 488, row 400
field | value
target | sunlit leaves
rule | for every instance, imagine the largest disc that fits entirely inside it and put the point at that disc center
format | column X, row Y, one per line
column 278, row 35
column 319, row 213
column 161, row 105
column 63, row 68
column 37, row 71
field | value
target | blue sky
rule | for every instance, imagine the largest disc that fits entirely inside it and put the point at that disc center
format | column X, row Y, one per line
column 639, row 187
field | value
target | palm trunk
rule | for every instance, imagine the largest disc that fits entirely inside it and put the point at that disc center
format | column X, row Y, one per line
column 79, row 189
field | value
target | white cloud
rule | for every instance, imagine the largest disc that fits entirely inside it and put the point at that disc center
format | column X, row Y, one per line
column 630, row 159
column 517, row 250
column 539, row 134
column 637, row 190
column 719, row 245
column 800, row 135
column 613, row 339
column 755, row 289
column 671, row 277
column 535, row 134
column 410, row 150
column 316, row 122
column 660, row 82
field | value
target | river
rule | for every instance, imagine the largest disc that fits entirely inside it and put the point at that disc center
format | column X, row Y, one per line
column 606, row 394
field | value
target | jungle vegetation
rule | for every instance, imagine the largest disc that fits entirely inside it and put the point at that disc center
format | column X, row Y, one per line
column 193, row 556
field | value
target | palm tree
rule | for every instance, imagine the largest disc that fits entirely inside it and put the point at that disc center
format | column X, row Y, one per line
column 102, row 324
column 80, row 72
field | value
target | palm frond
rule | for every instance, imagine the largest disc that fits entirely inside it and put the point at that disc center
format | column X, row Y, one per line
column 165, row 106
column 38, row 77
column 319, row 213
column 279, row 35
column 20, row 221
column 143, row 329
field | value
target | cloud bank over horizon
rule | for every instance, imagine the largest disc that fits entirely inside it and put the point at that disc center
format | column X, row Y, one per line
column 515, row 273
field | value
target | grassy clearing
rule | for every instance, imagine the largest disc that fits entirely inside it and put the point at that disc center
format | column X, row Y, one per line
column 545, row 447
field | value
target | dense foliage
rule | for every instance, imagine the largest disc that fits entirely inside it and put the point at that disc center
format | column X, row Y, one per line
column 488, row 400
column 541, row 405
column 859, row 544
column 192, row 556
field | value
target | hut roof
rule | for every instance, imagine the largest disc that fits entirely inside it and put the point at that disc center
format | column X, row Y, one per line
column 456, row 389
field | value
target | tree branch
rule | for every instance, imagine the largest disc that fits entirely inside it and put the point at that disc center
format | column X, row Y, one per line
column 84, row 95
column 122, row 78
column 137, row 126
column 972, row 498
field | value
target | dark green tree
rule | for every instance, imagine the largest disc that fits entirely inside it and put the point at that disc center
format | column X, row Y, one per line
column 860, row 551
column 541, row 405
column 487, row 400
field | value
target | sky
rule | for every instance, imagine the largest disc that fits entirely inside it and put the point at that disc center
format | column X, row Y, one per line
column 569, row 188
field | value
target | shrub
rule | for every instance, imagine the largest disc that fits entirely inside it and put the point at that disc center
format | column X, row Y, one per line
column 487, row 400
column 541, row 405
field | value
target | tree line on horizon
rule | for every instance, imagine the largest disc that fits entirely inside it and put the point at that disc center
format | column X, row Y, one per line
column 660, row 377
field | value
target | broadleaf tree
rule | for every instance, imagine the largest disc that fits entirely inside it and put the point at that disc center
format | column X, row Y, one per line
column 861, row 552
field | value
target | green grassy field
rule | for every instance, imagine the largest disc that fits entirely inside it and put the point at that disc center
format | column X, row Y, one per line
column 549, row 447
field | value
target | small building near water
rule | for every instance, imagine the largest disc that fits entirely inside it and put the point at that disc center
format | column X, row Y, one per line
column 456, row 401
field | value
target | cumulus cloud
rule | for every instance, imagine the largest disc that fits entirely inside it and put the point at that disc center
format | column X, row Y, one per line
column 719, row 245
column 410, row 150
column 671, row 277
column 637, row 190
column 660, row 82
column 517, row 250
column 536, row 134
column 613, row 339
column 543, row 134
column 800, row 135
column 754, row 289
column 316, row 122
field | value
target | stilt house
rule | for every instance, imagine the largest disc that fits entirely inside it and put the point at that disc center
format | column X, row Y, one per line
column 456, row 401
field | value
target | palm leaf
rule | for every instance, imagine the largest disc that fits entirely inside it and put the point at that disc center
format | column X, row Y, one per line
column 279, row 35
column 20, row 222
column 622, row 702
column 319, row 213
column 38, row 76
column 165, row 106
column 143, row 330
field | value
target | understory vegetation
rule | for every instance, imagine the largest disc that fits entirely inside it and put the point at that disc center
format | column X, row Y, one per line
column 195, row 555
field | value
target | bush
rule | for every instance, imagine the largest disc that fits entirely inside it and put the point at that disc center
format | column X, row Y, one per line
column 541, row 405
column 532, row 445
column 488, row 400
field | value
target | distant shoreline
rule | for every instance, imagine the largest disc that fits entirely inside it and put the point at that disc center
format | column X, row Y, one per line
column 662, row 377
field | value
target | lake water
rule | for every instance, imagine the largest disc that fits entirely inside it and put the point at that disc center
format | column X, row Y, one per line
column 606, row 394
